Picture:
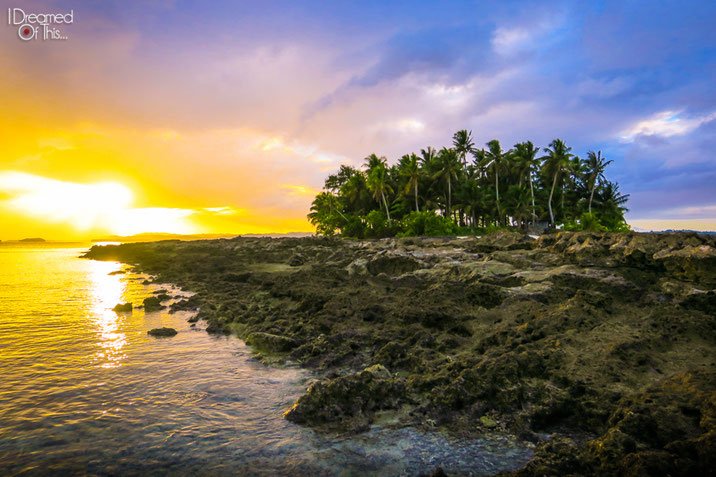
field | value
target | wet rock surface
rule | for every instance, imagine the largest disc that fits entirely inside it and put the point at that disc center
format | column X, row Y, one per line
column 162, row 332
column 599, row 347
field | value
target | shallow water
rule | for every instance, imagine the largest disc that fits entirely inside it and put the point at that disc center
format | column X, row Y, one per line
column 85, row 390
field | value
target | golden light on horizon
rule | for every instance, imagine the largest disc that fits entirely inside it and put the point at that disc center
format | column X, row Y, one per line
column 102, row 206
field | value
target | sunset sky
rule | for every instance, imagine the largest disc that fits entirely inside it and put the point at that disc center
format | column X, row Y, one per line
column 203, row 117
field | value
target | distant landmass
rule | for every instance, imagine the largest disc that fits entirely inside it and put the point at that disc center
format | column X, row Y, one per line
column 33, row 240
column 156, row 237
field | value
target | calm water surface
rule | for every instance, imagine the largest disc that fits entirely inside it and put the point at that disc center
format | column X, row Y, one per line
column 85, row 390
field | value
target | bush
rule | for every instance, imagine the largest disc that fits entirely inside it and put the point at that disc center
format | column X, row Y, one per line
column 354, row 227
column 427, row 224
column 593, row 223
column 377, row 225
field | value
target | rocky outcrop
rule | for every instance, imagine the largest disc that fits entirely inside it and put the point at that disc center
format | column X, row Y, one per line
column 605, row 342
column 349, row 401
column 270, row 343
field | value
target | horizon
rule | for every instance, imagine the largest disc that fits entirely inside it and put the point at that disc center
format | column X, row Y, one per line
column 171, row 118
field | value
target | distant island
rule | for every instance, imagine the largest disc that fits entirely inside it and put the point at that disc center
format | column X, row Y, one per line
column 157, row 237
column 33, row 240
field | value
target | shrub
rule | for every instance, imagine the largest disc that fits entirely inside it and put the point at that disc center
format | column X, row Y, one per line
column 428, row 224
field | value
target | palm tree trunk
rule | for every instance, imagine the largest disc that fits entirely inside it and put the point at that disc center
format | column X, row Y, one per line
column 497, row 195
column 417, row 209
column 591, row 197
column 449, row 204
column 385, row 203
column 551, row 193
column 532, row 192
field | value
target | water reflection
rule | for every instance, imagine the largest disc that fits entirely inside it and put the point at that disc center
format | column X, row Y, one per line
column 107, row 291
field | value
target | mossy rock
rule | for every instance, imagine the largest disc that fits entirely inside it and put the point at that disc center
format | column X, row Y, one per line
column 488, row 422
column 153, row 303
column 122, row 307
column 271, row 343
column 349, row 401
column 162, row 332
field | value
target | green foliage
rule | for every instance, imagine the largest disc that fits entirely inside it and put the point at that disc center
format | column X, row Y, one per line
column 378, row 225
column 591, row 222
column 427, row 224
column 466, row 189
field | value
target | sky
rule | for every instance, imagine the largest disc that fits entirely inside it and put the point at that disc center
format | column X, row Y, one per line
column 198, row 117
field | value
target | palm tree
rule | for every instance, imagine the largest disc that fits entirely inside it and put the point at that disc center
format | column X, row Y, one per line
column 494, row 156
column 556, row 162
column 356, row 194
column 595, row 166
column 323, row 210
column 612, row 202
column 378, row 180
column 373, row 161
column 526, row 155
column 410, row 169
column 448, row 168
column 463, row 145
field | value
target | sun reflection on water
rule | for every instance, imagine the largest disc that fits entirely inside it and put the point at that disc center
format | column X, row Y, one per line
column 107, row 291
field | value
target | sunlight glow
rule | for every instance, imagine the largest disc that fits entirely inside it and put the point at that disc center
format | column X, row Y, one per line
column 107, row 291
column 102, row 206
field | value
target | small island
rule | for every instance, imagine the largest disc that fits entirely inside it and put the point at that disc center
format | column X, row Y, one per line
column 33, row 240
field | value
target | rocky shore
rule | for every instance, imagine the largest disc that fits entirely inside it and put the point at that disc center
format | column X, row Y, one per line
column 599, row 348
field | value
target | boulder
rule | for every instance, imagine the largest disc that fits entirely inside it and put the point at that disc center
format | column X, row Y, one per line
column 122, row 307
column 162, row 332
column 296, row 260
column 349, row 400
column 153, row 303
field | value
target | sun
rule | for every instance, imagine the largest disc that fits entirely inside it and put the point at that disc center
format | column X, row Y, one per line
column 101, row 206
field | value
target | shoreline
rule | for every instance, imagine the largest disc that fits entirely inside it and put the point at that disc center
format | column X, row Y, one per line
column 568, row 334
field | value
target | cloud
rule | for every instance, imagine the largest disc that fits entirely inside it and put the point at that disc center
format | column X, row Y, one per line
column 666, row 124
column 528, row 34
column 233, row 105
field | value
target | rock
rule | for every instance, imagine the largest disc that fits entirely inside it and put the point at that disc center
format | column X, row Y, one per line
column 378, row 371
column 153, row 303
column 348, row 399
column 271, row 343
column 122, row 307
column 502, row 240
column 488, row 422
column 696, row 263
column 162, row 332
column 217, row 327
column 296, row 260
column 436, row 472
column 393, row 264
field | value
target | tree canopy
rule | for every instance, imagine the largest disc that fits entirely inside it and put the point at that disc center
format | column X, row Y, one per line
column 465, row 189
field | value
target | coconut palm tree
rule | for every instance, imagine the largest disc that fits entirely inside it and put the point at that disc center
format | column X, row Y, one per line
column 323, row 213
column 595, row 166
column 526, row 155
column 556, row 162
column 410, row 169
column 448, row 167
column 494, row 157
column 463, row 144
column 378, row 180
